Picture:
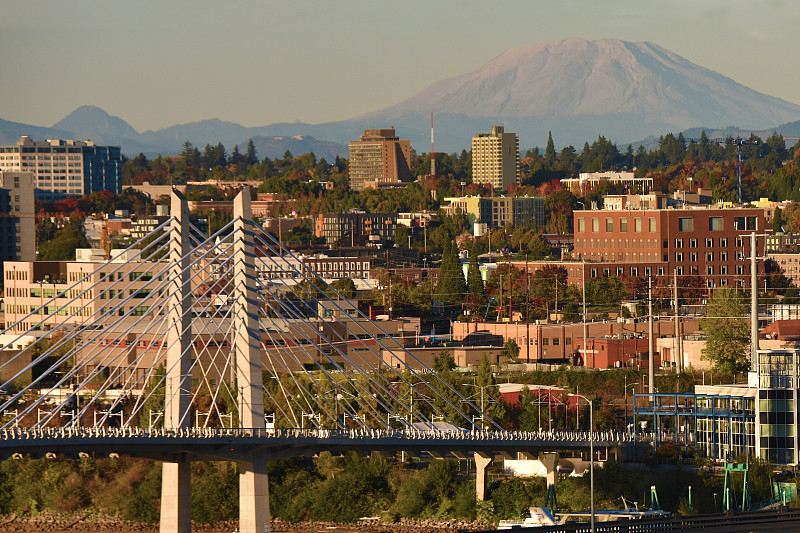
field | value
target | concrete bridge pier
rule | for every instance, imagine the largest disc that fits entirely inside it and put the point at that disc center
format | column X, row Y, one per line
column 176, row 498
column 254, row 513
column 482, row 462
column 549, row 461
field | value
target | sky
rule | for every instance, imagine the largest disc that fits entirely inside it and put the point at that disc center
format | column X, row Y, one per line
column 156, row 64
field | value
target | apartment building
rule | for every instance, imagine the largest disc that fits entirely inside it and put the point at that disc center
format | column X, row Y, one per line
column 17, row 217
column 496, row 212
column 379, row 158
column 289, row 267
column 495, row 158
column 356, row 228
column 76, row 291
column 711, row 242
column 65, row 168
column 586, row 181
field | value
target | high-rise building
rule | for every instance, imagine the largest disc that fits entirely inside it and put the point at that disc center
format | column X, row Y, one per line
column 495, row 158
column 17, row 217
column 64, row 168
column 379, row 158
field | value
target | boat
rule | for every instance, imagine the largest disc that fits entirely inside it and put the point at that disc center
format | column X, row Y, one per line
column 540, row 517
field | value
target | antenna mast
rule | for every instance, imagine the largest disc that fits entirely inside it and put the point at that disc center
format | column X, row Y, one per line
column 433, row 154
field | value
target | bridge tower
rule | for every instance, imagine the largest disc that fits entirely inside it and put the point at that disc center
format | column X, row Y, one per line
column 176, row 475
column 253, row 489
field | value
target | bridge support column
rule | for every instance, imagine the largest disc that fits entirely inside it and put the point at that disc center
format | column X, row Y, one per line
column 254, row 513
column 253, row 489
column 550, row 462
column 176, row 477
column 482, row 462
column 176, row 498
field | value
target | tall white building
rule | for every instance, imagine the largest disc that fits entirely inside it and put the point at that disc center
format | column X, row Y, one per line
column 495, row 158
column 64, row 168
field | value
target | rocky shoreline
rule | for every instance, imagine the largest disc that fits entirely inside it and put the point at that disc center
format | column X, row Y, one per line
column 112, row 524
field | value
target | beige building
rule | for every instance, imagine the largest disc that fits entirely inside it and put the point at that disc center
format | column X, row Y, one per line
column 17, row 217
column 76, row 291
column 586, row 181
column 63, row 168
column 556, row 341
column 379, row 158
column 495, row 158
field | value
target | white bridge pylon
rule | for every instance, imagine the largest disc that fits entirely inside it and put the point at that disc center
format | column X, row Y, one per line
column 211, row 331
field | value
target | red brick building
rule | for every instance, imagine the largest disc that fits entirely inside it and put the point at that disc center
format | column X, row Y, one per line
column 704, row 241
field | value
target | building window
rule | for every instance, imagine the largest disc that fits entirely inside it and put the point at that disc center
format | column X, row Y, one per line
column 678, row 243
column 679, row 257
column 610, row 225
column 723, row 242
column 595, row 225
column 693, row 257
column 710, row 270
column 692, row 243
column 652, row 225
column 723, row 256
column 709, row 256
column 637, row 225
column 581, row 225
column 715, row 224
column 623, row 224
column 745, row 223
column 686, row 224
column 709, row 243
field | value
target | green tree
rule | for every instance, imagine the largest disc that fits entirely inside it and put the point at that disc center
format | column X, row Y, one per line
column 550, row 150
column 443, row 362
column 727, row 331
column 64, row 243
column 451, row 287
column 474, row 278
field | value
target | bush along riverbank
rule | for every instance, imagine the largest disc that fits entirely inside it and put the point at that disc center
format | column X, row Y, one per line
column 339, row 490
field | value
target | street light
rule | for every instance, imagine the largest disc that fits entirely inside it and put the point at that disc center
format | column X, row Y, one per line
column 591, row 455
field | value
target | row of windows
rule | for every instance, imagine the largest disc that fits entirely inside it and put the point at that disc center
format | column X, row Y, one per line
column 623, row 225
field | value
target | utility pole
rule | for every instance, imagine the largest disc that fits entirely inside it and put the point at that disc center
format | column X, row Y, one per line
column 585, row 326
column 753, row 304
column 679, row 352
column 650, row 356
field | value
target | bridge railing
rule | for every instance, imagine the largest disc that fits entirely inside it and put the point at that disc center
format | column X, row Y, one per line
column 15, row 435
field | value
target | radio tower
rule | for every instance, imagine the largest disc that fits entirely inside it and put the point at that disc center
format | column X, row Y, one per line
column 433, row 155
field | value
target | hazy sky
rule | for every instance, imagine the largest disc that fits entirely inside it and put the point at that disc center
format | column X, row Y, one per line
column 160, row 63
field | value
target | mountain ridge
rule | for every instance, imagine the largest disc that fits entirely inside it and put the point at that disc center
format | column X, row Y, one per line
column 575, row 88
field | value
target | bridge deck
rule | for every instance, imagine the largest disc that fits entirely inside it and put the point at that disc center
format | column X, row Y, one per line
column 240, row 444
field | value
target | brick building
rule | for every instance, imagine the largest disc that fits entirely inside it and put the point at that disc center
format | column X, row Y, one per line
column 379, row 158
column 710, row 242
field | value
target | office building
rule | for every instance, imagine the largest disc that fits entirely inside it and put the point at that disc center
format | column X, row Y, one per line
column 496, row 212
column 495, row 158
column 17, row 217
column 647, row 239
column 65, row 168
column 356, row 228
column 379, row 159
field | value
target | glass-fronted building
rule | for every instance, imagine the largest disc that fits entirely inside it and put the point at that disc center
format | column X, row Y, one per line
column 756, row 419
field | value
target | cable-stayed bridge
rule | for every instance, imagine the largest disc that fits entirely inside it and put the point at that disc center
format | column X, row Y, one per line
column 225, row 347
